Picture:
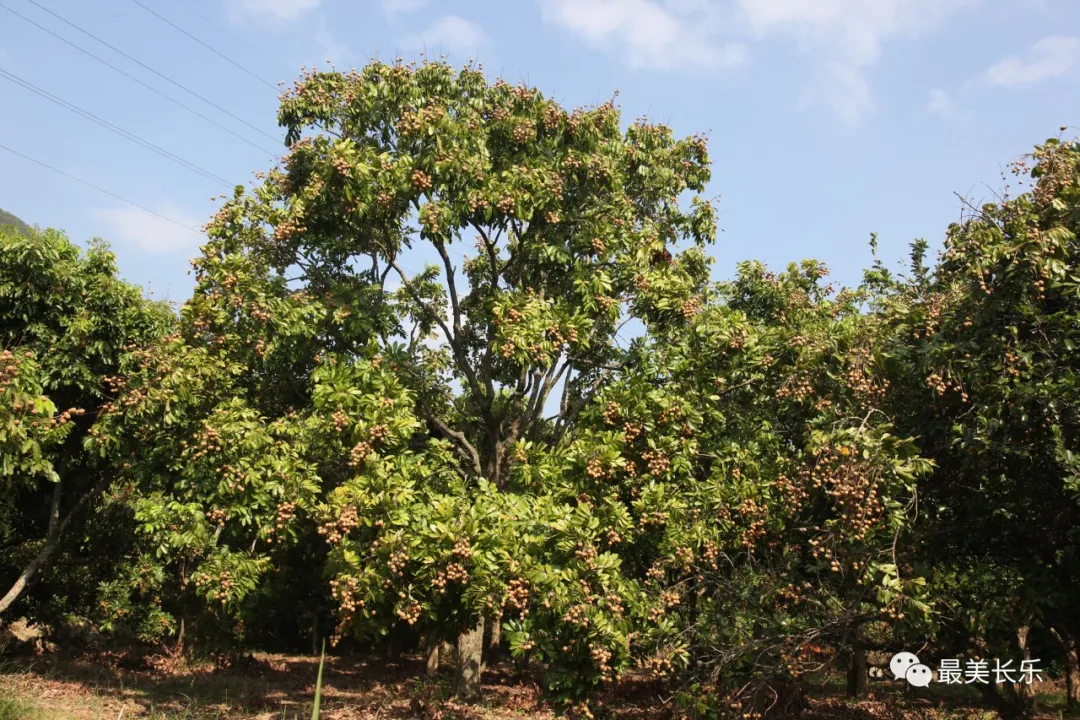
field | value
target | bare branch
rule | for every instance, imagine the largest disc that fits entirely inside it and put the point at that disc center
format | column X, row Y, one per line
column 461, row 440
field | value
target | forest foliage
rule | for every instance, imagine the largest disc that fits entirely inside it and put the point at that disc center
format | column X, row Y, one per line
column 327, row 440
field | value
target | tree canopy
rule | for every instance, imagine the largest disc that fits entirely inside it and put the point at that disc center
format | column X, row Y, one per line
column 402, row 401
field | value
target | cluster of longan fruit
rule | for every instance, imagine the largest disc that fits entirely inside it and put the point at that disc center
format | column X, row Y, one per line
column 286, row 511
column 360, row 451
column 558, row 339
column 690, row 307
column 653, row 518
column 684, row 557
column 576, row 615
column 594, row 468
column 658, row 461
column 397, row 561
column 860, row 381
column 587, row 554
column 336, row 530
column 524, row 132
column 657, row 666
column 798, row 387
column 421, row 180
column 672, row 413
column 224, row 580
column 344, row 591
column 601, row 658
column 794, row 493
column 710, row 553
column 749, row 508
column 606, row 301
column 409, row 123
column 410, row 613
column 654, row 574
column 341, row 420
column 631, row 431
column 517, row 595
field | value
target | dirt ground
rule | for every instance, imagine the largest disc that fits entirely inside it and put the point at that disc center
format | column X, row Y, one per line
column 271, row 687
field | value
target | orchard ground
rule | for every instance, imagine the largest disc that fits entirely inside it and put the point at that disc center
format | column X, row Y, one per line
column 268, row 686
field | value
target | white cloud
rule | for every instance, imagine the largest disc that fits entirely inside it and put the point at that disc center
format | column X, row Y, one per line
column 272, row 11
column 842, row 38
column 450, row 34
column 846, row 36
column 400, row 7
column 1050, row 57
column 147, row 231
column 940, row 104
column 647, row 33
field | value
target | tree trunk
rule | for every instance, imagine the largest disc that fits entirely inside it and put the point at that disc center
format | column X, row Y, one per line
column 393, row 642
column 56, row 529
column 494, row 640
column 1025, row 691
column 1072, row 666
column 179, row 649
column 858, row 675
column 431, row 654
column 470, row 667
column 447, row 654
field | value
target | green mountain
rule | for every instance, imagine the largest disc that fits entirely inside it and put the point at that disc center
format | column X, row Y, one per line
column 7, row 219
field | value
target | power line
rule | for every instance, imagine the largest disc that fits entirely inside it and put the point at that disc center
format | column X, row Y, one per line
column 128, row 75
column 113, row 128
column 209, row 47
column 99, row 189
column 164, row 77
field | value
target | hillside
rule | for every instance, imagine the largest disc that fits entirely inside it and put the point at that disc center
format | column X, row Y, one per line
column 7, row 218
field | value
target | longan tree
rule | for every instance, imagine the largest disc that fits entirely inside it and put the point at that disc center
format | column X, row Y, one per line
column 66, row 323
column 985, row 373
column 403, row 398
column 743, row 476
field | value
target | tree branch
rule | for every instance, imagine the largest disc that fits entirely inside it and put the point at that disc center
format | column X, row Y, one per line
column 461, row 440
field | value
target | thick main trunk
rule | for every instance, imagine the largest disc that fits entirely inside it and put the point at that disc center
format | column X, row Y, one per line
column 494, row 640
column 1025, row 691
column 470, row 661
column 52, row 537
column 858, row 675
column 1071, row 653
column 1072, row 676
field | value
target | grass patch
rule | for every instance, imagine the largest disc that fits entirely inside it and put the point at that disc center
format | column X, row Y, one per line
column 13, row 708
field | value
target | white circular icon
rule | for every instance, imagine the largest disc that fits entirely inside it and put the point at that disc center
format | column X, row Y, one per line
column 919, row 675
column 902, row 662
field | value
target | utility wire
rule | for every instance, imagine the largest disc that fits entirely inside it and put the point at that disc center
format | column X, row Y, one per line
column 113, row 128
column 277, row 61
column 209, row 47
column 226, row 57
column 153, row 89
column 99, row 189
column 159, row 74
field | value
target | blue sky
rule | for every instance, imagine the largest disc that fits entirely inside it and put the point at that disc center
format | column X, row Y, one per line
column 827, row 119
